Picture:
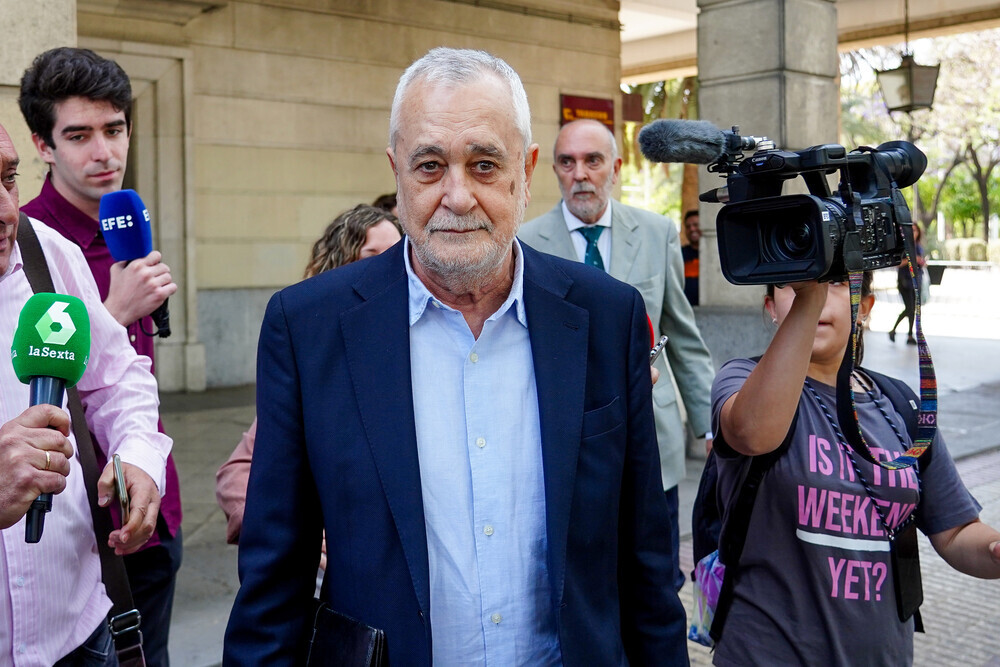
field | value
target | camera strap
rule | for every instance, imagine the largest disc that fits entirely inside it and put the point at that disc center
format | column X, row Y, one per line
column 847, row 412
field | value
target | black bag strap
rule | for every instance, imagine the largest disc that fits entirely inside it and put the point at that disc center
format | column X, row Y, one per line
column 734, row 532
column 125, row 617
column 737, row 524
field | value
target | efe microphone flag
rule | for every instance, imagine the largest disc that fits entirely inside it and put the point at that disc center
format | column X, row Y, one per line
column 125, row 225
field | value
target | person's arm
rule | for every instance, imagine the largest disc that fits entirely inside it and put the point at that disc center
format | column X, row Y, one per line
column 973, row 548
column 688, row 356
column 652, row 617
column 231, row 484
column 756, row 419
column 138, row 288
column 120, row 400
column 34, row 459
column 282, row 524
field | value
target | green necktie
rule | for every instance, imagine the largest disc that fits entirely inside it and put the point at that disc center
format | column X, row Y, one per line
column 593, row 256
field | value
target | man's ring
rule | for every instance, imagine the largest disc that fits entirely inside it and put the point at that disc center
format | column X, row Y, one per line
column 48, row 460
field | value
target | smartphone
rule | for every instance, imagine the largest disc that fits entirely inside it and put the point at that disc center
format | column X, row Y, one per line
column 120, row 489
column 657, row 349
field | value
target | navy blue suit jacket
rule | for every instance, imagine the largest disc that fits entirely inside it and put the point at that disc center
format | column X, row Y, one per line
column 336, row 449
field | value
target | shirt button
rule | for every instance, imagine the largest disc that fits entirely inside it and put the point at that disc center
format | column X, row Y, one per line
column 496, row 618
column 19, row 581
column 22, row 648
column 132, row 338
column 480, row 442
column 473, row 357
column 488, row 530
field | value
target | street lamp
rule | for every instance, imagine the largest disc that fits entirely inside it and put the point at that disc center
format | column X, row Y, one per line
column 910, row 86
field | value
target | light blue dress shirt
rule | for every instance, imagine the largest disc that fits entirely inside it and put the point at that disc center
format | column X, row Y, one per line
column 479, row 446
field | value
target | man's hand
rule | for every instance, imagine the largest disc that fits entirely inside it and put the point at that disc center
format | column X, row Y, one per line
column 138, row 288
column 34, row 459
column 144, row 500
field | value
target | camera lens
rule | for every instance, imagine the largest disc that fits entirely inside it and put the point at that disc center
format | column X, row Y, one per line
column 792, row 242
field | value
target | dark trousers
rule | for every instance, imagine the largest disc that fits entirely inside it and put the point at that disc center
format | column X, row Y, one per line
column 673, row 528
column 97, row 651
column 152, row 574
column 909, row 305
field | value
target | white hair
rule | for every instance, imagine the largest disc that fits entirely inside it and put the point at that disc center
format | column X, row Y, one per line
column 460, row 66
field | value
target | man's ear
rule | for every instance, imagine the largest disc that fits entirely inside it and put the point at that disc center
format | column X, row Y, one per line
column 44, row 150
column 617, row 172
column 392, row 162
column 530, row 162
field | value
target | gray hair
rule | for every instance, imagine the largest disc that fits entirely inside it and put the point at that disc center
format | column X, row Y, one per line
column 459, row 66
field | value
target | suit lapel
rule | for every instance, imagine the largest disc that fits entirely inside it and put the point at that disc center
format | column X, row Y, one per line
column 559, row 334
column 379, row 329
column 555, row 235
column 624, row 243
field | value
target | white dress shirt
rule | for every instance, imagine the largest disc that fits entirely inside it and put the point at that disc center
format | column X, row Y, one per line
column 574, row 223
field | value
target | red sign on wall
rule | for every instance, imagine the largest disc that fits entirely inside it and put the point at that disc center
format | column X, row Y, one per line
column 575, row 107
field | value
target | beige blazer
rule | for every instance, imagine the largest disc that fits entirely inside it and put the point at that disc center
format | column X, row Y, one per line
column 646, row 253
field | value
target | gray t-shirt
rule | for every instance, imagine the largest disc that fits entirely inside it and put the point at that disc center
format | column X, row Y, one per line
column 815, row 586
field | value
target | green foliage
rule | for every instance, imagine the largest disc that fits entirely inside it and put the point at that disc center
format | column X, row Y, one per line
column 646, row 185
column 960, row 201
column 963, row 128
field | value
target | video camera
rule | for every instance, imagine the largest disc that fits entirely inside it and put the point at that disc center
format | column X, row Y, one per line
column 766, row 237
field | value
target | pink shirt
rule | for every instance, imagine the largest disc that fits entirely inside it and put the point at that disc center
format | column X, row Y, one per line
column 52, row 597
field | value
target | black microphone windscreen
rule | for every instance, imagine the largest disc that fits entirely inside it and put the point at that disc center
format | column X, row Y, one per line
column 688, row 141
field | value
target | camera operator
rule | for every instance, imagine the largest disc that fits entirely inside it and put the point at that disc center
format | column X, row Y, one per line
column 815, row 581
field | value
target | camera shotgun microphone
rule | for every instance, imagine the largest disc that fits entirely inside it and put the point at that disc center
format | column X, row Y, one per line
column 49, row 352
column 125, row 225
column 693, row 141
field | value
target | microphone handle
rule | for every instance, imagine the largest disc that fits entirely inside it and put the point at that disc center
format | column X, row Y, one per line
column 161, row 318
column 43, row 390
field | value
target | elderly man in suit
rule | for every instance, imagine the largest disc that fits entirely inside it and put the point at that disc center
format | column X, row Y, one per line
column 469, row 420
column 643, row 250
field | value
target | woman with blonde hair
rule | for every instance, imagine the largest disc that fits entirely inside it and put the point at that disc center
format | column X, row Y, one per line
column 360, row 232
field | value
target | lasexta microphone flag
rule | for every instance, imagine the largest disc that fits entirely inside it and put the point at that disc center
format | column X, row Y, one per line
column 49, row 352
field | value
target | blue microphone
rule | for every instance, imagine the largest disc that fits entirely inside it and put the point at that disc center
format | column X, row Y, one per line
column 125, row 224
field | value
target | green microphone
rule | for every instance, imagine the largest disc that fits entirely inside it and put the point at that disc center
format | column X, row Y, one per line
column 50, row 351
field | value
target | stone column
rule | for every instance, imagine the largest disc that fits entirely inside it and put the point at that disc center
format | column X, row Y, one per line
column 769, row 66
column 29, row 28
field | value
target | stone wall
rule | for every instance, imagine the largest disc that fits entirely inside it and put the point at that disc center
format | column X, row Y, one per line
column 286, row 106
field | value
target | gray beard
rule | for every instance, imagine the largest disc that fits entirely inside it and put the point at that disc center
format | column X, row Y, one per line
column 462, row 273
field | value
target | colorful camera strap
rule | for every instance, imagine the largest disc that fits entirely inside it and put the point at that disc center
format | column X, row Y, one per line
column 847, row 411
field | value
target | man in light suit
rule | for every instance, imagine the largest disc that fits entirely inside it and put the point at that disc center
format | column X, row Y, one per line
column 643, row 250
column 469, row 420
